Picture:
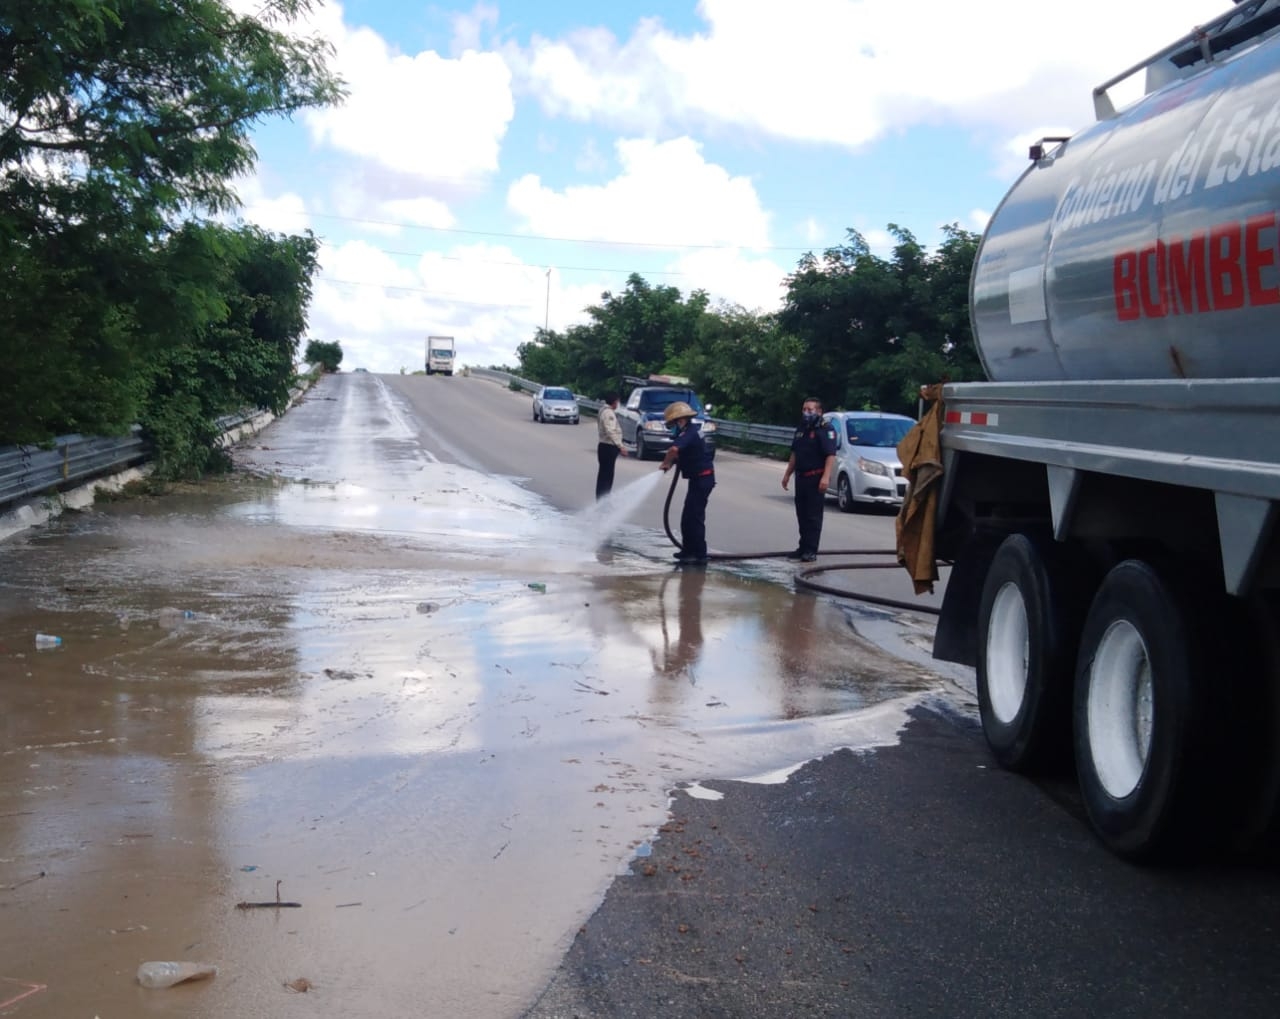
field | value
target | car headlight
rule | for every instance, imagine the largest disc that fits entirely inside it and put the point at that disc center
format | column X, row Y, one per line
column 708, row 426
column 872, row 467
column 655, row 426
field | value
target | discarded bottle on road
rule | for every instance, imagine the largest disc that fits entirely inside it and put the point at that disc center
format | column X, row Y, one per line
column 44, row 640
column 166, row 974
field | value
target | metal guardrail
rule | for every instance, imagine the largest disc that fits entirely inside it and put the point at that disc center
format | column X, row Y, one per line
column 27, row 471
column 30, row 471
column 770, row 435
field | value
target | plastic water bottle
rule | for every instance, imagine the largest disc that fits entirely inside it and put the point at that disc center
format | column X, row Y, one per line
column 166, row 974
column 44, row 640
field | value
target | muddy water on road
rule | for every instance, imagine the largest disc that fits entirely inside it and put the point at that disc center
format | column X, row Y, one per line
column 332, row 672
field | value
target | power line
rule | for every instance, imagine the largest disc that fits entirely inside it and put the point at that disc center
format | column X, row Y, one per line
column 451, row 298
column 544, row 237
column 527, row 265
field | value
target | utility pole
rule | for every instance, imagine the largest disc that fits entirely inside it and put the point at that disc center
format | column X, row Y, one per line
column 546, row 320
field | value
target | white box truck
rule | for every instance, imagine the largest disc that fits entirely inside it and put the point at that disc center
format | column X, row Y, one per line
column 440, row 354
column 1110, row 497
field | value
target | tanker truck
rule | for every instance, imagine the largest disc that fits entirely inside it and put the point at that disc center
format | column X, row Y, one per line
column 1108, row 499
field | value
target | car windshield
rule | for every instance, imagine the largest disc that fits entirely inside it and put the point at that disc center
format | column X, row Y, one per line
column 557, row 394
column 441, row 352
column 660, row 398
column 877, row 431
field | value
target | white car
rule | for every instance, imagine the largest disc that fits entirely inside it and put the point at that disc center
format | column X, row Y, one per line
column 555, row 403
column 867, row 467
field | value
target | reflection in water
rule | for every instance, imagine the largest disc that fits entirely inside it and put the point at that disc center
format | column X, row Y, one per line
column 680, row 653
column 797, row 650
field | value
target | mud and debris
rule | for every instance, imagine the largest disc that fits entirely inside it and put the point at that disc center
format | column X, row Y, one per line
column 330, row 663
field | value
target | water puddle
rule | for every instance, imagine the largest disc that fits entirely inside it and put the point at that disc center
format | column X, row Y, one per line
column 440, row 713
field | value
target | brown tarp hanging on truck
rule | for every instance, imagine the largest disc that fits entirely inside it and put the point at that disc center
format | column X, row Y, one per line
column 920, row 453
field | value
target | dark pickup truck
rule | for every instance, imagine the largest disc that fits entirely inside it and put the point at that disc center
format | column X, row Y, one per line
column 641, row 421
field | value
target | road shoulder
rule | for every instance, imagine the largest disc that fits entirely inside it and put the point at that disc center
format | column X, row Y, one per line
column 912, row 880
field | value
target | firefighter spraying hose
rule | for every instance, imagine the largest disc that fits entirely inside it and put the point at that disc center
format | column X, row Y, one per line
column 804, row 578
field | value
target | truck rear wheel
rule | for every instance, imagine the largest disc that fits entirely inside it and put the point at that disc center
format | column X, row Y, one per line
column 1143, row 721
column 1028, row 625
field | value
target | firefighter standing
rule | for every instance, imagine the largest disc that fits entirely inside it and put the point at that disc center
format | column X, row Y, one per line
column 813, row 455
column 696, row 465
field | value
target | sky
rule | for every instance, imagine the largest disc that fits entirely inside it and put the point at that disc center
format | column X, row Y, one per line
column 497, row 167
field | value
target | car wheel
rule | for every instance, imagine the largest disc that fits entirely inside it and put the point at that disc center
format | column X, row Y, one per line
column 642, row 451
column 844, row 494
column 1029, row 622
column 1144, row 719
column 535, row 413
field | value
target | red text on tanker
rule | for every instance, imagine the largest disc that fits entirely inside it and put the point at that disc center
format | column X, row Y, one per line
column 1230, row 265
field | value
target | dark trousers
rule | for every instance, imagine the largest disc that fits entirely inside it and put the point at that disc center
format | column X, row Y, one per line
column 693, row 520
column 810, row 504
column 606, row 457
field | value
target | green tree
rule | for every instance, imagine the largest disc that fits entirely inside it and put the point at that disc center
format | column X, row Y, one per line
column 644, row 329
column 855, row 330
column 120, row 120
column 745, row 365
column 873, row 330
column 325, row 353
column 243, row 294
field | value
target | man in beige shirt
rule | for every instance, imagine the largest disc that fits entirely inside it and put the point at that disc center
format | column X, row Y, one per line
column 609, row 446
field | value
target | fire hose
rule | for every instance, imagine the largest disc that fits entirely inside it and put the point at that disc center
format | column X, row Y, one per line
column 804, row 577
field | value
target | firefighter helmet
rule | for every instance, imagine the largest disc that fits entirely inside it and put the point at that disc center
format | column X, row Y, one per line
column 676, row 411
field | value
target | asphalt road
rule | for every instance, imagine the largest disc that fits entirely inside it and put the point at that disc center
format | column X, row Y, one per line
column 914, row 880
column 486, row 426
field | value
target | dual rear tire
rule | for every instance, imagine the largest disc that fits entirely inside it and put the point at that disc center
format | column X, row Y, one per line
column 1115, row 676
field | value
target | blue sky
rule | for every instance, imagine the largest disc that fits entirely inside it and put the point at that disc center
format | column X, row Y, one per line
column 703, row 145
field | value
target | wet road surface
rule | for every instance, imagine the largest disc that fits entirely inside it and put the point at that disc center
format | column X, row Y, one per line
column 480, row 424
column 426, row 703
column 918, row 880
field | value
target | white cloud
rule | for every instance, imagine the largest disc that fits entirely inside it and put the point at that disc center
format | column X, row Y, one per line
column 285, row 213
column 424, row 116
column 848, row 71
column 380, row 309
column 427, row 116
column 469, row 28
column 978, row 219
column 666, row 195
column 813, row 231
column 881, row 242
column 419, row 212
column 754, row 283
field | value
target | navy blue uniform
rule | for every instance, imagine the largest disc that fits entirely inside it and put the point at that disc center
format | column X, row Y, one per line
column 695, row 462
column 811, row 446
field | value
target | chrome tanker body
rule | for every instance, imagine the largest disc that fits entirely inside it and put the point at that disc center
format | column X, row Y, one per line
column 1109, row 499
column 1146, row 246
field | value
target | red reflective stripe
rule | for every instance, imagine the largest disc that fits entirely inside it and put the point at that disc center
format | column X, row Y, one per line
column 703, row 474
column 982, row 418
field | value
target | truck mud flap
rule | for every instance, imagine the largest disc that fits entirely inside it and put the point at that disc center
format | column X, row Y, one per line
column 956, row 636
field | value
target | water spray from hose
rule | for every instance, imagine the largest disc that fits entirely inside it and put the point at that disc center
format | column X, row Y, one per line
column 804, row 577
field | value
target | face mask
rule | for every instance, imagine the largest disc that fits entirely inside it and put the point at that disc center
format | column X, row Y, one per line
column 810, row 419
column 674, row 429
